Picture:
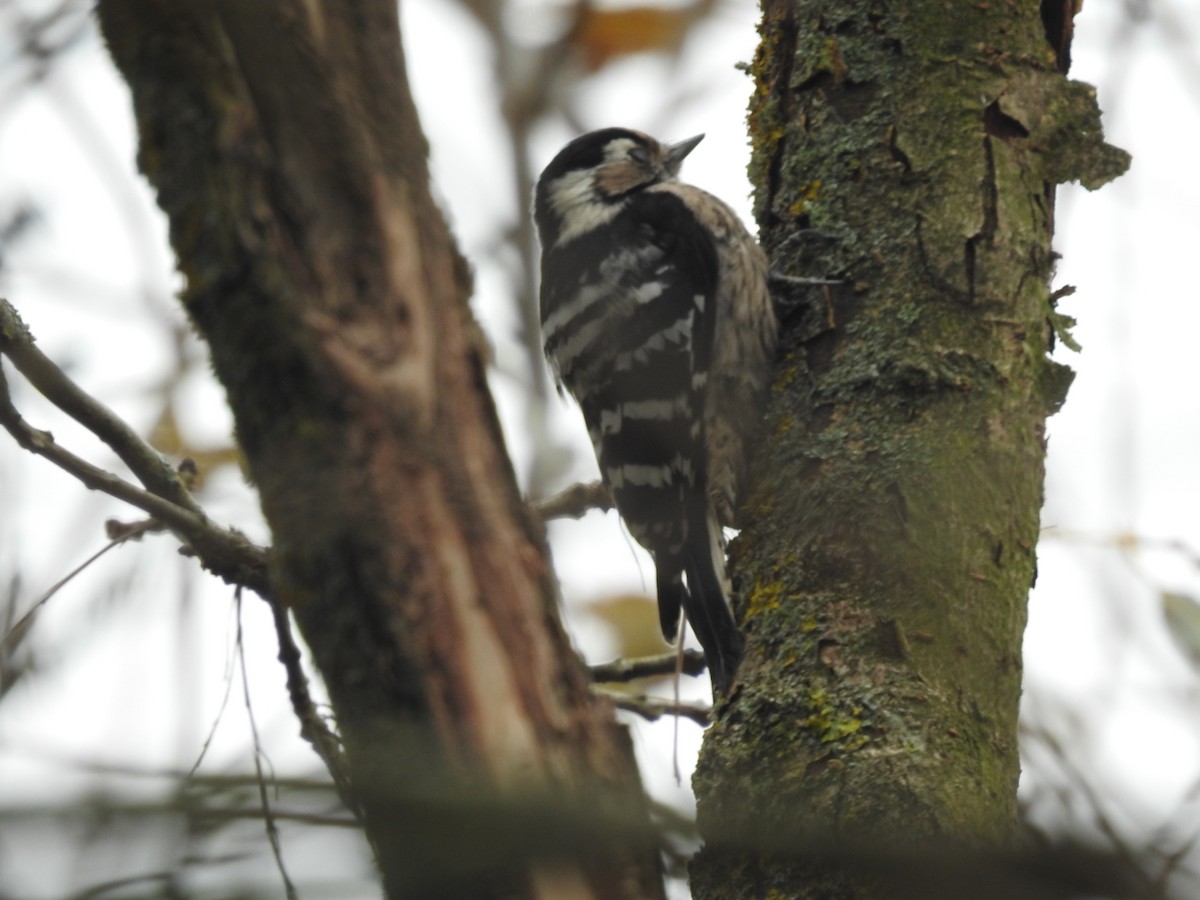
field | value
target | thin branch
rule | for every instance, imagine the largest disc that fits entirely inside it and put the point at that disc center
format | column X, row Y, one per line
column 212, row 731
column 1122, row 851
column 779, row 278
column 1172, row 863
column 16, row 634
column 42, row 444
column 225, row 553
column 211, row 783
column 621, row 670
column 169, row 504
column 653, row 708
column 312, row 726
column 575, row 502
column 268, row 818
column 163, row 880
column 1126, row 541
column 18, row 815
column 154, row 472
column 281, row 815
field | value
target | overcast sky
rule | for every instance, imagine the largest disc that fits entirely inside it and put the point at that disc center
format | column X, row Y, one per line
column 137, row 651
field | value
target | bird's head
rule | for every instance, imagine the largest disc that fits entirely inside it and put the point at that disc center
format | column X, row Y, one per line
column 590, row 179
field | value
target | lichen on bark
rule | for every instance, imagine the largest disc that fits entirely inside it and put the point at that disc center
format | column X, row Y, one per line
column 911, row 152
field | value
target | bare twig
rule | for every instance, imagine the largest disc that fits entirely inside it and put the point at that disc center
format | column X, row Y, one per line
column 210, row 783
column 621, row 670
column 42, row 444
column 1172, row 863
column 173, row 806
column 1126, row 541
column 576, row 501
column 212, row 731
column 312, row 726
column 14, row 635
column 154, row 472
column 268, row 818
column 223, row 552
column 1123, row 852
column 797, row 281
column 281, row 815
column 653, row 708
column 42, row 39
column 116, row 530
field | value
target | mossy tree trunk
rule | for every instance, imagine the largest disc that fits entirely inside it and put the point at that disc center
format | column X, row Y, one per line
column 283, row 144
column 911, row 150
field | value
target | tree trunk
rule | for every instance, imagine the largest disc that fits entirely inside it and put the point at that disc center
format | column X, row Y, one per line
column 909, row 149
column 284, row 146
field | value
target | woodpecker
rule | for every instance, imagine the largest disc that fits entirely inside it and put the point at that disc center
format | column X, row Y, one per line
column 657, row 319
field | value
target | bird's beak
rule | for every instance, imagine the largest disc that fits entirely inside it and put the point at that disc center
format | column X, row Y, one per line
column 676, row 152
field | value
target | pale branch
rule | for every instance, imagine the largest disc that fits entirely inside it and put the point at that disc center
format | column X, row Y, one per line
column 301, row 818
column 116, row 530
column 653, row 708
column 93, row 477
column 154, row 472
column 575, row 502
column 224, row 552
column 621, row 670
column 778, row 278
column 173, row 806
column 1127, row 541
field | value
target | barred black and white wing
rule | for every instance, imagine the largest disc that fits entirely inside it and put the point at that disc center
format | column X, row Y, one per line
column 746, row 334
column 629, row 317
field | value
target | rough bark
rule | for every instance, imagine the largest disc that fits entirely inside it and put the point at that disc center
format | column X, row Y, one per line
column 910, row 149
column 283, row 144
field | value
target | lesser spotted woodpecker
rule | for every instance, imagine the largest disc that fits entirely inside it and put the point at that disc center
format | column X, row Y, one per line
column 656, row 317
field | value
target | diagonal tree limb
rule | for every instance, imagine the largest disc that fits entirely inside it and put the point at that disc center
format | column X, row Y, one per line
column 620, row 670
column 575, row 501
column 155, row 473
column 654, row 708
column 224, row 552
column 42, row 443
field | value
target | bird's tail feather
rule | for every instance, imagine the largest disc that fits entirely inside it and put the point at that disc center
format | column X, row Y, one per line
column 706, row 601
column 671, row 594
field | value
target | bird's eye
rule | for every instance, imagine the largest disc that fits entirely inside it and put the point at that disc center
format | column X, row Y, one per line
column 640, row 155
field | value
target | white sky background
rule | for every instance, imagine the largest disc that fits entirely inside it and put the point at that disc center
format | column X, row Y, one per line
column 135, row 674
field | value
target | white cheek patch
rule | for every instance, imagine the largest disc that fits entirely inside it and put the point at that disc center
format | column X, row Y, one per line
column 574, row 195
column 570, row 190
column 573, row 198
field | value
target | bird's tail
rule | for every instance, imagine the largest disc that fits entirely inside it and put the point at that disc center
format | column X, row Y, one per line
column 671, row 594
column 706, row 600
